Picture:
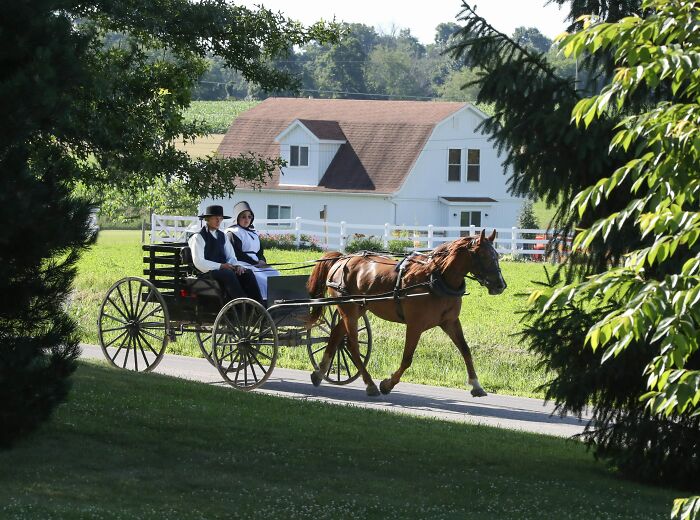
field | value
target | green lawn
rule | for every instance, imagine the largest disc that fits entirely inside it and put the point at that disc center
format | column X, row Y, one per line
column 490, row 322
column 142, row 446
column 543, row 213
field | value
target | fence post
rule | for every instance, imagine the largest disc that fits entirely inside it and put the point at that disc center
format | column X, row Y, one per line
column 472, row 230
column 341, row 246
column 297, row 232
column 513, row 240
column 153, row 227
column 386, row 236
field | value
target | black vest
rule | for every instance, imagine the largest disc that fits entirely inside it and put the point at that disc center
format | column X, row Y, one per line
column 214, row 248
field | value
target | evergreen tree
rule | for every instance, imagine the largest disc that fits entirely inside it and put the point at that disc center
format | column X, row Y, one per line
column 78, row 109
column 556, row 161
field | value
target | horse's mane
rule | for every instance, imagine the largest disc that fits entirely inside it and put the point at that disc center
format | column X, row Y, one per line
column 442, row 256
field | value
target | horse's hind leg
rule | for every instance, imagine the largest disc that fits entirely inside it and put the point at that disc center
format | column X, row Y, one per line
column 454, row 330
column 412, row 337
column 351, row 319
column 336, row 336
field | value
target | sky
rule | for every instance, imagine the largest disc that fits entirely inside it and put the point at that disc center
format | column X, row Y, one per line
column 421, row 17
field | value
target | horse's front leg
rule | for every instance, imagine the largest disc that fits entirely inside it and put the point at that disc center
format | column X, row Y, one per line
column 454, row 330
column 412, row 337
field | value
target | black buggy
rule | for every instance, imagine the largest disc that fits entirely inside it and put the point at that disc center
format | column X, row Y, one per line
column 139, row 316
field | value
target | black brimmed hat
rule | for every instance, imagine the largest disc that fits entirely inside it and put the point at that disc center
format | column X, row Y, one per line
column 214, row 211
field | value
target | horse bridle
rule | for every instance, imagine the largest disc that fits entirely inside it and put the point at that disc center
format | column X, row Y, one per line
column 487, row 273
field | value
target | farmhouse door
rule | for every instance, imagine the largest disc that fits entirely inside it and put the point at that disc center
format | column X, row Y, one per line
column 469, row 218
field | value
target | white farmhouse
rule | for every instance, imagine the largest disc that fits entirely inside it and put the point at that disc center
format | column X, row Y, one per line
column 374, row 162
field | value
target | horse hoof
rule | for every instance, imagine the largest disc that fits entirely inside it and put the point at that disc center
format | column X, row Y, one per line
column 372, row 390
column 316, row 378
column 479, row 392
column 384, row 386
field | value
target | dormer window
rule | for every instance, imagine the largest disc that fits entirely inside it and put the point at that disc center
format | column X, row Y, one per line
column 298, row 155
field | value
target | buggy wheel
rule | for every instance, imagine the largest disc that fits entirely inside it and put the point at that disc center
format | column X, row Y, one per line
column 133, row 325
column 205, row 344
column 244, row 344
column 342, row 369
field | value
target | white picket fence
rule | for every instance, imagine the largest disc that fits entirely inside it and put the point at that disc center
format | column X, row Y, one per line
column 336, row 235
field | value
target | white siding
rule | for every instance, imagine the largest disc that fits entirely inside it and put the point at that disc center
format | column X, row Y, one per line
column 340, row 207
column 326, row 152
column 417, row 200
column 300, row 175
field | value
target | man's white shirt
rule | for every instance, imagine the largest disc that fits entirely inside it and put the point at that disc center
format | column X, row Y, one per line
column 196, row 243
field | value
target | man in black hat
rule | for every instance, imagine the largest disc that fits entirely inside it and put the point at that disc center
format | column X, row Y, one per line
column 213, row 254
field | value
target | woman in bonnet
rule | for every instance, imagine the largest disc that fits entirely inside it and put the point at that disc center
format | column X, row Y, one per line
column 246, row 244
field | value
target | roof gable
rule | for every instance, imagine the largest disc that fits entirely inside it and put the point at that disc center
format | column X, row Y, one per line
column 322, row 131
column 384, row 138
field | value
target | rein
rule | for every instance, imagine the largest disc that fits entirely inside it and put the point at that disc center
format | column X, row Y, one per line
column 307, row 263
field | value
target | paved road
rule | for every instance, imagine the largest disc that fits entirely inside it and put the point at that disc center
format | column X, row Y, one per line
column 520, row 413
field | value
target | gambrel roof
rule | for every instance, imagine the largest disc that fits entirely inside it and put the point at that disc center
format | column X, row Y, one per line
column 384, row 138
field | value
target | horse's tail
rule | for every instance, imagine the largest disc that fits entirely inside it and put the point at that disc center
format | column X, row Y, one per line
column 316, row 285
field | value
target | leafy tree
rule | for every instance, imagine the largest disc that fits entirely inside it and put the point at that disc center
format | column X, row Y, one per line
column 555, row 161
column 163, row 198
column 220, row 82
column 396, row 67
column 656, row 290
column 459, row 86
column 532, row 38
column 341, row 67
column 604, row 10
column 444, row 33
column 77, row 110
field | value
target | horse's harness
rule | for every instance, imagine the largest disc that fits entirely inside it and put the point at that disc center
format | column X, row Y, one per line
column 436, row 284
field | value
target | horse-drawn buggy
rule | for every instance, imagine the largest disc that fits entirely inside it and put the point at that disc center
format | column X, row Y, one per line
column 241, row 337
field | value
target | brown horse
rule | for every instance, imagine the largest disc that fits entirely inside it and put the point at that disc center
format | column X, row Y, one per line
column 441, row 272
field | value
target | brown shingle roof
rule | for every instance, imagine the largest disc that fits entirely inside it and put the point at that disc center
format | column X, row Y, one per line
column 329, row 130
column 384, row 138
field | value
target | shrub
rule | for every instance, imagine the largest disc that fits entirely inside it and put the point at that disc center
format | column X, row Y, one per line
column 364, row 243
column 288, row 242
column 400, row 247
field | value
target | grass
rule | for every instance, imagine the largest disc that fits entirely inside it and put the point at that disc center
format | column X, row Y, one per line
column 543, row 213
column 218, row 114
column 502, row 361
column 142, row 446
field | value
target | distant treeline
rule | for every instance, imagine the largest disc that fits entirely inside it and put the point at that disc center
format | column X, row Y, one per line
column 369, row 65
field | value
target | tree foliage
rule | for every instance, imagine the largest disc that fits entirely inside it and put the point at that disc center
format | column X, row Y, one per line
column 365, row 64
column 656, row 289
column 574, row 167
column 532, row 38
column 93, row 93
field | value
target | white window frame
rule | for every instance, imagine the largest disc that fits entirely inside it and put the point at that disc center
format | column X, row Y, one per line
column 299, row 148
column 451, row 164
column 477, row 164
column 279, row 208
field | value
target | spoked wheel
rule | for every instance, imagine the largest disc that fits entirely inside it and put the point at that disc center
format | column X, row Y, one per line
column 244, row 344
column 133, row 325
column 204, row 340
column 342, row 369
